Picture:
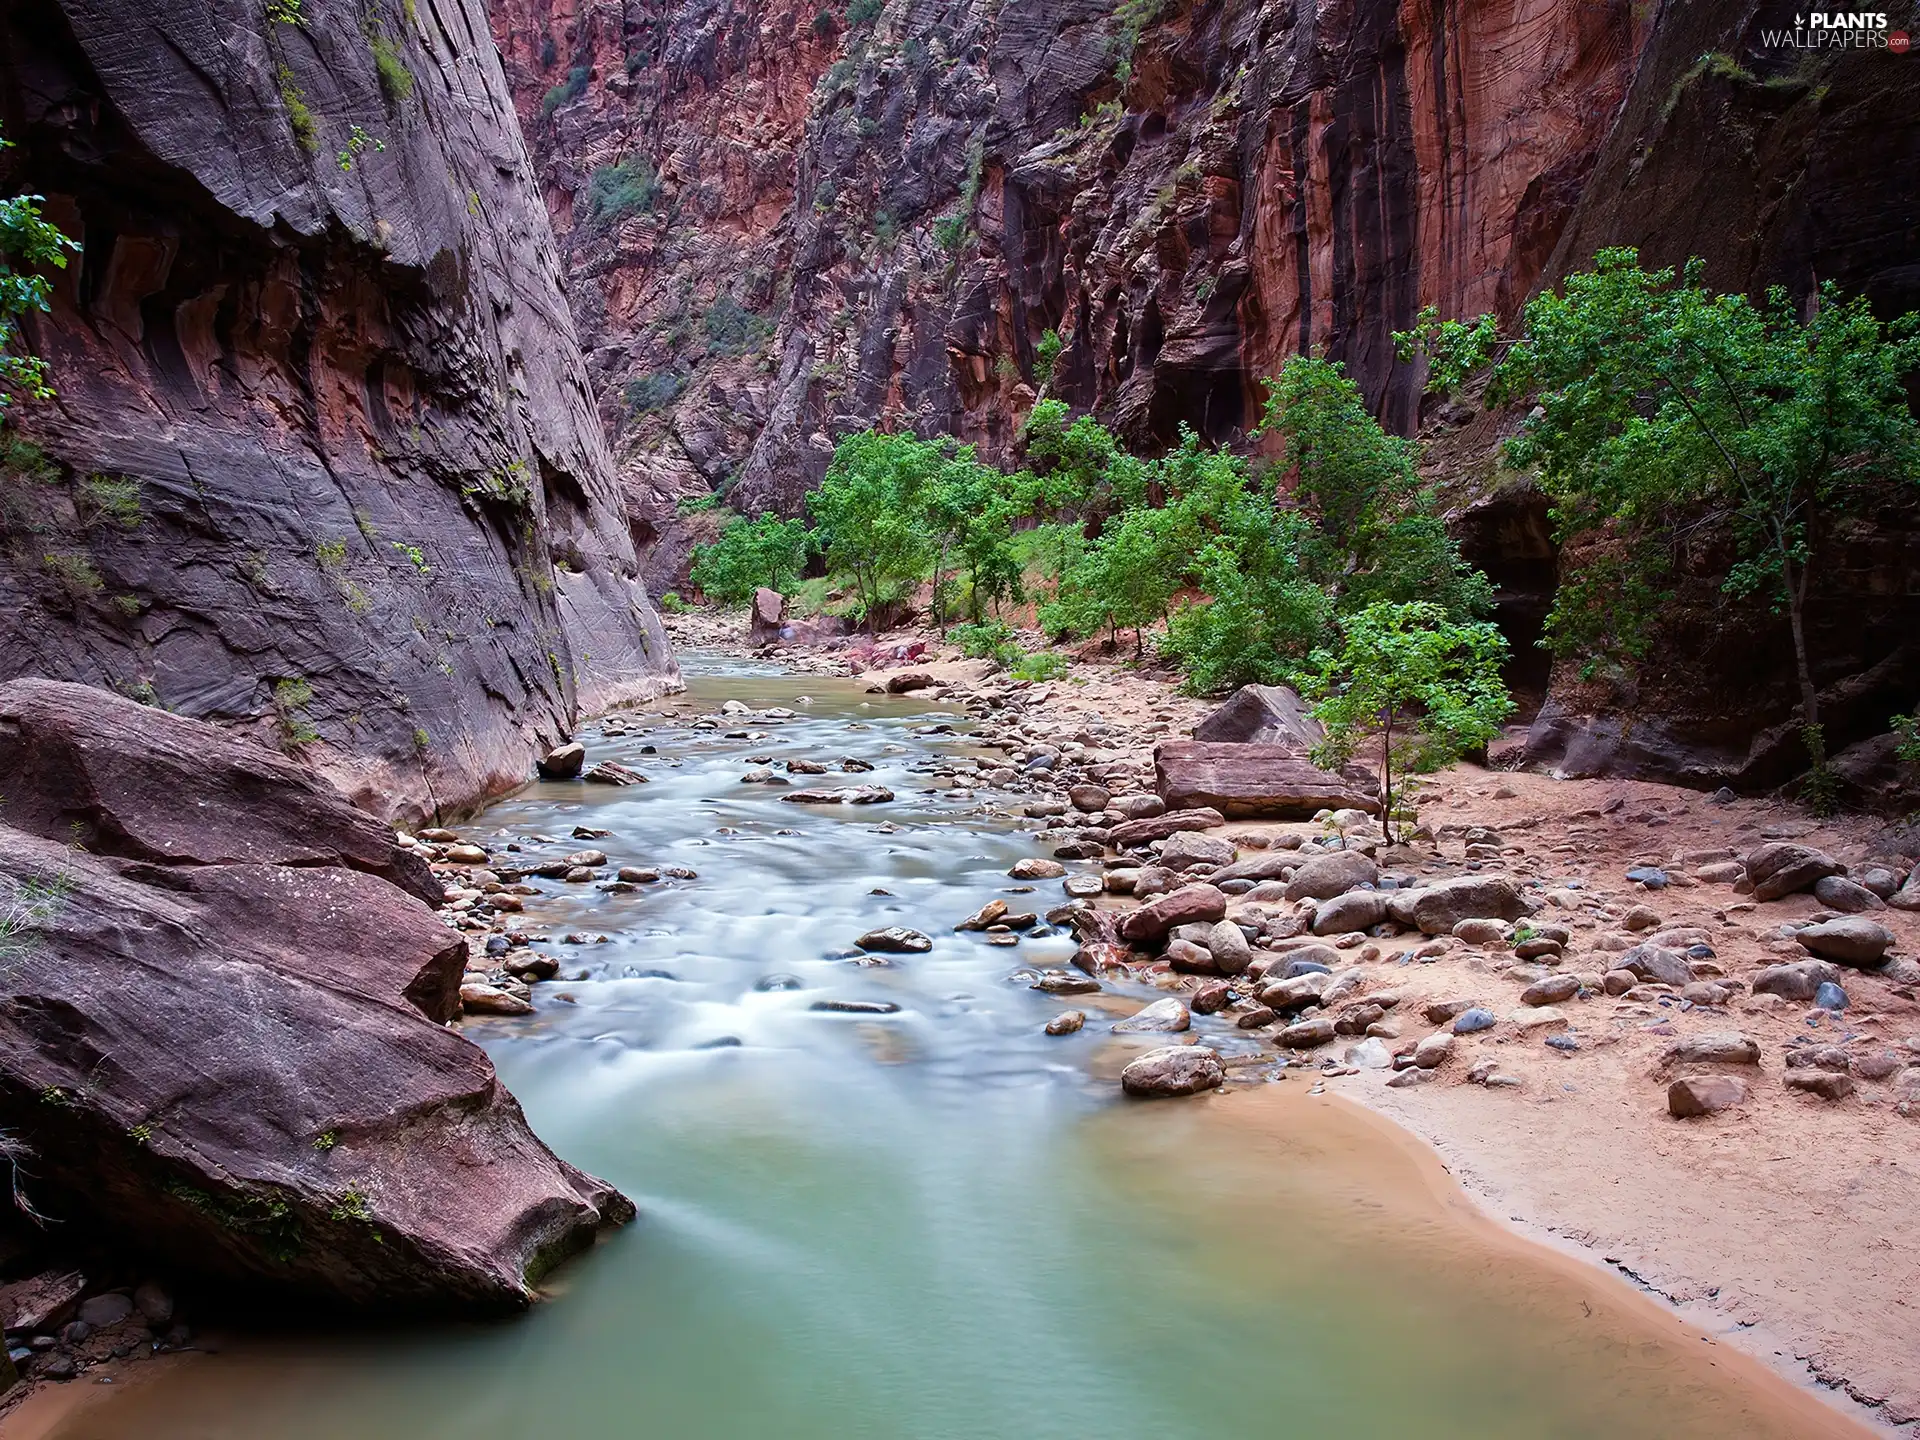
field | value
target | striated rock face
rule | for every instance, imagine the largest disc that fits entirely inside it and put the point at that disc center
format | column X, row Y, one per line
column 906, row 198
column 222, row 1031
column 324, row 460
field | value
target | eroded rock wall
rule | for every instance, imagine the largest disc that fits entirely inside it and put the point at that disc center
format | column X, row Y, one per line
column 905, row 198
column 324, row 459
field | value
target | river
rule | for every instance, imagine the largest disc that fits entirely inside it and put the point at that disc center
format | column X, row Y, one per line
column 939, row 1223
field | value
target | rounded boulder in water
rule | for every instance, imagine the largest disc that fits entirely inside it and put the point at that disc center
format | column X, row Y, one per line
column 1469, row 1021
column 1829, row 996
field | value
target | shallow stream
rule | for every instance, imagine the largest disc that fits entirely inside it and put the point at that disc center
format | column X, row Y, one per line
column 939, row 1223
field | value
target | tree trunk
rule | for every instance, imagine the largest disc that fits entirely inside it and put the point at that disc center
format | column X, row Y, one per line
column 1386, row 773
column 1796, row 603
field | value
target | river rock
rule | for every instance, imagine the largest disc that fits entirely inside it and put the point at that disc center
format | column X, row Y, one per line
column 103, row 1310
column 843, row 795
column 1090, row 798
column 1066, row 1022
column 1780, row 868
column 1827, row 1084
column 1326, row 876
column 1306, row 1034
column 1651, row 962
column 1472, row 1020
column 1210, row 999
column 1715, row 1048
column 1296, row 992
column 1355, row 910
column 1158, row 827
column 1797, row 980
column 564, row 762
column 1879, row 1064
column 1551, row 990
column 1692, row 1096
column 895, row 940
column 1371, row 1054
column 1065, row 982
column 612, row 772
column 1162, row 1016
column 1084, row 887
column 1433, row 1051
column 1836, row 892
column 1035, row 867
column 1173, row 1070
column 1270, row 865
column 986, row 915
column 1850, row 940
column 1138, row 805
column 1228, row 945
column 1436, row 909
column 1188, row 903
column 1480, row 932
column 1188, row 848
column 764, row 620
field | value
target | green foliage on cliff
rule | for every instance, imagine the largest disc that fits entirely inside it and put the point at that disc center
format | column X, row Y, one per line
column 1046, row 354
column 396, row 80
column 1660, row 406
column 30, row 244
column 765, row 551
column 615, row 192
column 568, row 90
column 732, row 329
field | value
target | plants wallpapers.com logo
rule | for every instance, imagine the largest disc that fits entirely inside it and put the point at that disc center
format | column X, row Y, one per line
column 1838, row 30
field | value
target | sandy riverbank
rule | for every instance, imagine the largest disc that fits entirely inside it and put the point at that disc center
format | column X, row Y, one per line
column 1781, row 1227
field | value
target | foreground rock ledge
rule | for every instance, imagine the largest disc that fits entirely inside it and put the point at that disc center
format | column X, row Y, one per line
column 234, row 1065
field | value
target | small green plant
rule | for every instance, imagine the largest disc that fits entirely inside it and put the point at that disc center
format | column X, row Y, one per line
column 28, row 907
column 615, row 192
column 299, row 114
column 359, row 140
column 1046, row 354
column 414, row 556
column 1906, row 730
column 1820, row 786
column 951, row 232
column 396, row 80
column 645, row 394
column 549, row 52
column 569, row 90
column 422, row 742
column 113, row 498
column 1039, row 665
column 353, row 1205
column 140, row 1134
column 330, row 554
column 985, row 640
column 53, row 1095
column 1422, row 687
column 732, row 329
column 285, row 12
column 672, row 604
column 326, row 1140
column 76, row 574
column 290, row 701
column 128, row 605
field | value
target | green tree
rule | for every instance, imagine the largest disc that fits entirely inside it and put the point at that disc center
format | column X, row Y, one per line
column 968, row 510
column 1375, row 536
column 1424, row 687
column 870, row 516
column 1126, row 577
column 28, row 243
column 1658, row 402
column 765, row 551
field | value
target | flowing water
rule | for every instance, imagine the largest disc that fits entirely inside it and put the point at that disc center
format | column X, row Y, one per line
column 939, row 1223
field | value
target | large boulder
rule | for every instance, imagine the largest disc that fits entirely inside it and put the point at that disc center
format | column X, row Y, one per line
column 1261, row 715
column 113, row 777
column 1780, row 868
column 1255, row 781
column 763, row 621
column 1325, row 876
column 1173, row 1070
column 1436, row 909
column 222, row 1037
column 1188, row 904
column 1850, row 940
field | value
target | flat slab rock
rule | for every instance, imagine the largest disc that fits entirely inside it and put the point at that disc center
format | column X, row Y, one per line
column 1249, row 781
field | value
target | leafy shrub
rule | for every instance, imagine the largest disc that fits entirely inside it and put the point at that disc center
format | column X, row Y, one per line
column 76, row 573
column 732, row 329
column 984, row 639
column 549, row 52
column 569, row 90
column 1039, row 665
column 28, row 243
column 655, row 391
column 285, row 12
column 1045, row 355
column 396, row 80
column 672, row 604
column 859, row 12
column 113, row 498
column 615, row 192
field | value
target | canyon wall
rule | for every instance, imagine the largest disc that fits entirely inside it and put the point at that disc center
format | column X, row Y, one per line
column 324, row 460
column 873, row 214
